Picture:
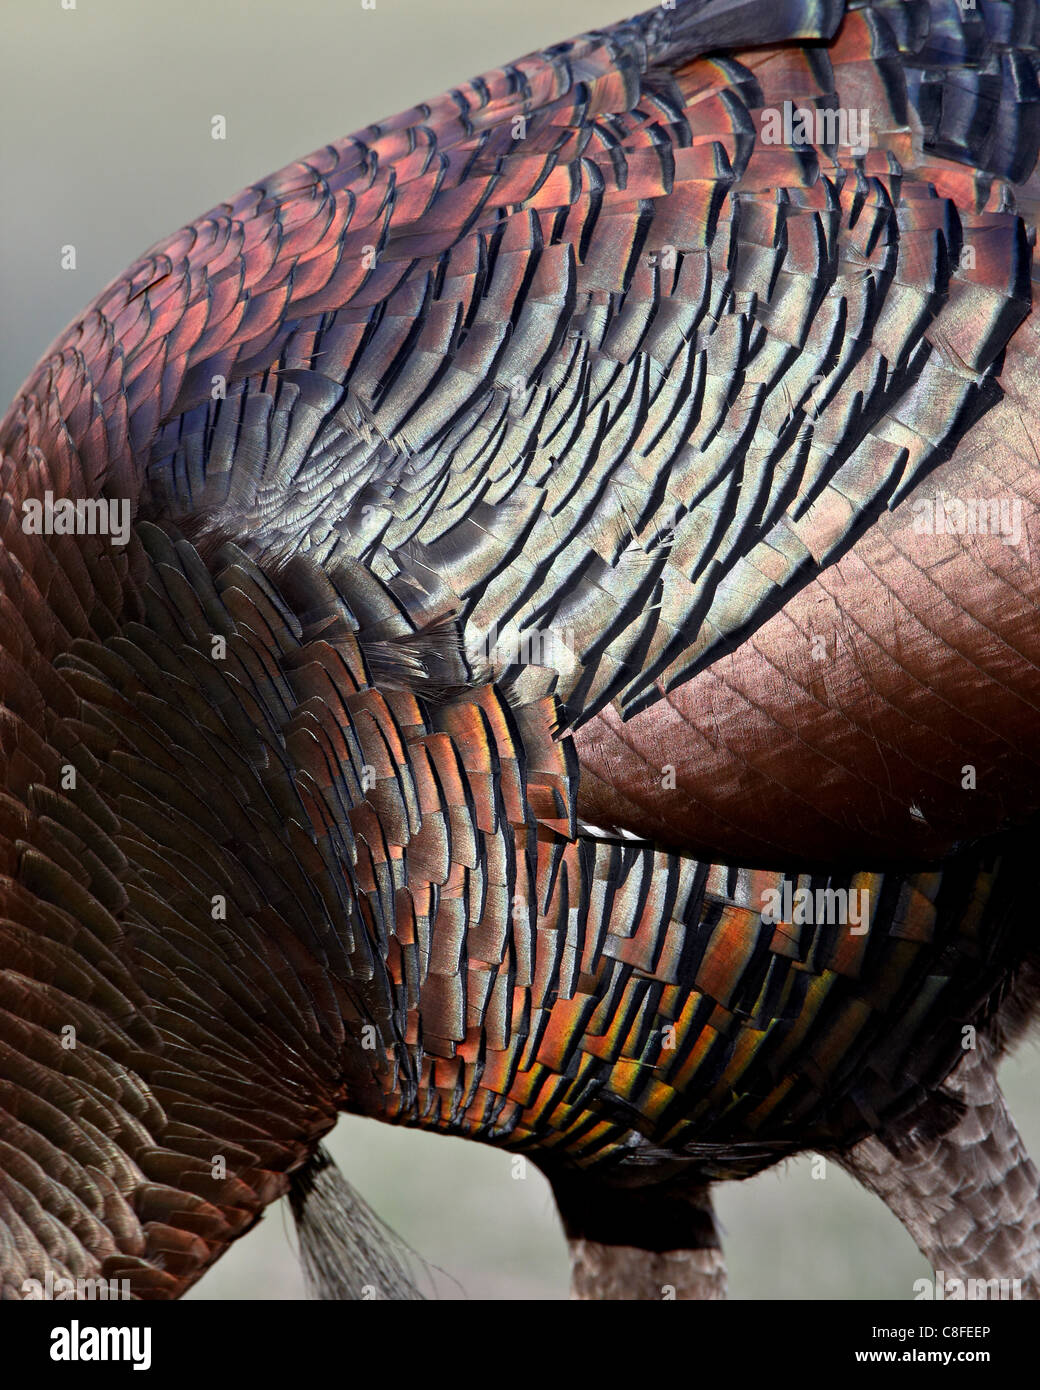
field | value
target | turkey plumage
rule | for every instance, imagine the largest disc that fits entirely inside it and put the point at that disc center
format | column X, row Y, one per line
column 569, row 675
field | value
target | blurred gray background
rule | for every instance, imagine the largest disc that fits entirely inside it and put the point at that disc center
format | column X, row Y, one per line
column 105, row 111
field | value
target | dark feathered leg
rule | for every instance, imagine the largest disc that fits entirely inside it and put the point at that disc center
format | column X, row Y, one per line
column 640, row 1243
column 971, row 1197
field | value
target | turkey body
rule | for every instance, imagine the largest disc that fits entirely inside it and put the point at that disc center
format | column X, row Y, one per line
column 571, row 679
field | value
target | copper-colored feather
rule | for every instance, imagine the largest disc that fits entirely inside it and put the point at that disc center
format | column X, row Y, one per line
column 523, row 590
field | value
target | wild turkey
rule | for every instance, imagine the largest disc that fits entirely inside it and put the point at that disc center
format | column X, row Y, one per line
column 571, row 677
